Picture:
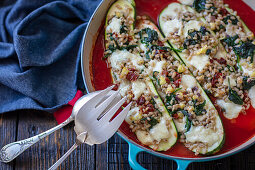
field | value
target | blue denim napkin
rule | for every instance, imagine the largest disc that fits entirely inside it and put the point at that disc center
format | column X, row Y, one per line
column 39, row 46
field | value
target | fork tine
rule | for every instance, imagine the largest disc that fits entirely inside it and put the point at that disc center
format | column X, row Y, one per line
column 108, row 115
column 105, row 104
column 121, row 116
column 95, row 100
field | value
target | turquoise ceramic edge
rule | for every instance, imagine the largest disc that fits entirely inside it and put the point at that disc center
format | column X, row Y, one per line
column 182, row 164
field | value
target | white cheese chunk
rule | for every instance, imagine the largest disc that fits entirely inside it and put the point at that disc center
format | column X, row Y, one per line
column 251, row 95
column 231, row 81
column 172, row 26
column 191, row 25
column 114, row 25
column 132, row 113
column 188, row 82
column 160, row 131
column 124, row 87
column 173, row 9
column 143, row 47
column 155, row 65
column 186, row 2
column 199, row 61
column 232, row 110
column 138, row 88
column 144, row 137
column 202, row 134
column 120, row 57
column 180, row 125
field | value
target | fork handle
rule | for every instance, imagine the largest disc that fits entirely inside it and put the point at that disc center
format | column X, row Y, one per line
column 56, row 165
column 12, row 150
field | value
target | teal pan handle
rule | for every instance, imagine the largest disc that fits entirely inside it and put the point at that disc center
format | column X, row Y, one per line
column 134, row 151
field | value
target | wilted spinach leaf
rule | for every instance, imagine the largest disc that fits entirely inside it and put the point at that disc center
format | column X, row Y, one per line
column 233, row 96
column 229, row 17
column 247, row 84
column 199, row 5
column 230, row 41
column 199, row 109
column 151, row 35
column 153, row 122
column 245, row 50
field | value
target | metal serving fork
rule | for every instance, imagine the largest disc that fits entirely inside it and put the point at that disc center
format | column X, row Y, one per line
column 94, row 123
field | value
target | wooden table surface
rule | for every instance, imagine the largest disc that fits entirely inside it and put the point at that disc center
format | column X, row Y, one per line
column 111, row 155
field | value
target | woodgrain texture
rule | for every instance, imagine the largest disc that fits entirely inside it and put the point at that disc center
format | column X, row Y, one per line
column 110, row 155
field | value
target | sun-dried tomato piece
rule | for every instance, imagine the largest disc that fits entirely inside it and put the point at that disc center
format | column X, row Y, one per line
column 223, row 11
column 116, row 86
column 177, row 82
column 131, row 76
column 150, row 107
column 167, row 80
column 140, row 100
column 215, row 79
column 222, row 61
column 165, row 73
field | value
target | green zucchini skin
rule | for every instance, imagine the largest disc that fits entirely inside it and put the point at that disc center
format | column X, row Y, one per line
column 184, row 60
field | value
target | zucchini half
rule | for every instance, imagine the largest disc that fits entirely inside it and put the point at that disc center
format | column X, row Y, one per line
column 194, row 133
column 169, row 142
column 119, row 8
column 201, row 60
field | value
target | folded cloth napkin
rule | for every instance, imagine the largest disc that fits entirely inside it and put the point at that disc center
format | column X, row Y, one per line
column 39, row 45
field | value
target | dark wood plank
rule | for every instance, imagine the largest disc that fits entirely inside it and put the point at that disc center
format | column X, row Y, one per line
column 7, row 134
column 101, row 156
column 118, row 159
column 45, row 153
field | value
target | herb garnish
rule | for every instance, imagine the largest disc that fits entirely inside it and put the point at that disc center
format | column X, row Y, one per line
column 233, row 96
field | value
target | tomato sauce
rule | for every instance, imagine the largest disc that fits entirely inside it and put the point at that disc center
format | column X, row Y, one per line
column 237, row 131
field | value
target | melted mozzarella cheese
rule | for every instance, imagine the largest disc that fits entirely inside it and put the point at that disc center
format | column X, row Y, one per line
column 191, row 25
column 232, row 110
column 144, row 137
column 132, row 113
column 155, row 65
column 188, row 82
column 186, row 2
column 180, row 125
column 120, row 57
column 202, row 134
column 173, row 9
column 114, row 25
column 124, row 87
column 199, row 61
column 160, row 131
column 251, row 95
column 138, row 88
column 172, row 26
column 231, row 81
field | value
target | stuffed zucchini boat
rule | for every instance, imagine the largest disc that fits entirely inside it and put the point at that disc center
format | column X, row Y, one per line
column 236, row 38
column 195, row 117
column 148, row 117
column 205, row 56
